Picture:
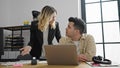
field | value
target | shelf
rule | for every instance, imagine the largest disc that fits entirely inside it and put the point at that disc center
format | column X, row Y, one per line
column 15, row 28
column 12, row 48
column 14, row 42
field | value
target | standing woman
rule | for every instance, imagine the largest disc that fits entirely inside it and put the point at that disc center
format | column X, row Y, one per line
column 43, row 32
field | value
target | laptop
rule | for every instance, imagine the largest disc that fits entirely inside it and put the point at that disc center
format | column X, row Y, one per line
column 61, row 54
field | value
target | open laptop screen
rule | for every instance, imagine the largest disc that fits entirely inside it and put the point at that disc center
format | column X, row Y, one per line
column 61, row 54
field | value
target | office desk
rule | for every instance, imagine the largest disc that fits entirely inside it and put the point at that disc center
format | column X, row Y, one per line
column 45, row 65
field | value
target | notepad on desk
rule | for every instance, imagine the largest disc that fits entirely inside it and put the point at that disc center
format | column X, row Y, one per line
column 20, row 62
column 16, row 62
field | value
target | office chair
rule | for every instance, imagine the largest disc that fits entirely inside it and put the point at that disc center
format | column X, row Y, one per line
column 35, row 14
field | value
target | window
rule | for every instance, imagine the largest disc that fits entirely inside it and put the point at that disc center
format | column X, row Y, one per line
column 102, row 21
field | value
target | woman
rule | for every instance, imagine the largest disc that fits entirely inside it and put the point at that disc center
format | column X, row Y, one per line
column 43, row 32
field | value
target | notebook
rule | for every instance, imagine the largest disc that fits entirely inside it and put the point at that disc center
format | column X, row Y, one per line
column 61, row 54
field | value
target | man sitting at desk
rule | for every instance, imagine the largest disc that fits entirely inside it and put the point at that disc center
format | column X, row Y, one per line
column 85, row 43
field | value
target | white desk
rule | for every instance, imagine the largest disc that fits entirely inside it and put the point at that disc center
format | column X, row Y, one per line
column 45, row 65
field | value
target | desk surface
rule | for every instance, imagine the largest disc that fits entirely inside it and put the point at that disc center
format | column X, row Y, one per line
column 45, row 65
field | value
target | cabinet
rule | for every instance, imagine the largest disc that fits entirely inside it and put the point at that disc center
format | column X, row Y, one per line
column 10, row 47
column 14, row 42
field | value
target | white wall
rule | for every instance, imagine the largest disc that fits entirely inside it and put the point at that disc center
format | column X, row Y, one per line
column 4, row 14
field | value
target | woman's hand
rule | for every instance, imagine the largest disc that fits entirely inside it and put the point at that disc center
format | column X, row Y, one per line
column 25, row 50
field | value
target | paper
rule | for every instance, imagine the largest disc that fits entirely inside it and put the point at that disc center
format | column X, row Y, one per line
column 42, row 62
column 17, row 62
column 20, row 62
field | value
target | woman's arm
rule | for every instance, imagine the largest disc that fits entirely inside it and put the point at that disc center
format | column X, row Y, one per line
column 58, row 33
column 25, row 50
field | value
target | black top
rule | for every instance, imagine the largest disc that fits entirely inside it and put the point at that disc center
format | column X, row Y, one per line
column 36, row 38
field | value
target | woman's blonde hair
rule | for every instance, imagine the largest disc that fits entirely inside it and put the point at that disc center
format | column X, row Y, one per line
column 44, row 17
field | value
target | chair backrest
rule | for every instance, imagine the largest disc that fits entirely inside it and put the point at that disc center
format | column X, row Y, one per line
column 35, row 13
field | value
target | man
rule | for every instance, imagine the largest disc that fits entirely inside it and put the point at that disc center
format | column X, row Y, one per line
column 85, row 43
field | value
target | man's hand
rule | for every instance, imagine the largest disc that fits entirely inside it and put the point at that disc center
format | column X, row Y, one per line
column 82, row 58
column 25, row 50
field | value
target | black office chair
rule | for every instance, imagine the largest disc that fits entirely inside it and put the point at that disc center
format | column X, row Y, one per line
column 35, row 13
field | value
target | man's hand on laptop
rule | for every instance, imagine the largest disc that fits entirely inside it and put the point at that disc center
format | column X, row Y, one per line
column 25, row 50
column 82, row 58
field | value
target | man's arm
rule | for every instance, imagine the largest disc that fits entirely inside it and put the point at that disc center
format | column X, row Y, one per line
column 90, row 50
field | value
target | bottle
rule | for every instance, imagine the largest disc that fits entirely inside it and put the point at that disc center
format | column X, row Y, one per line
column 33, row 61
column 26, row 22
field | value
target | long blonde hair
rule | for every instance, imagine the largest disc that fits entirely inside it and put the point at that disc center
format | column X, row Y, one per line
column 44, row 17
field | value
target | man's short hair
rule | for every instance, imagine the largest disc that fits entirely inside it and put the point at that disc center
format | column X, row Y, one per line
column 78, row 24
